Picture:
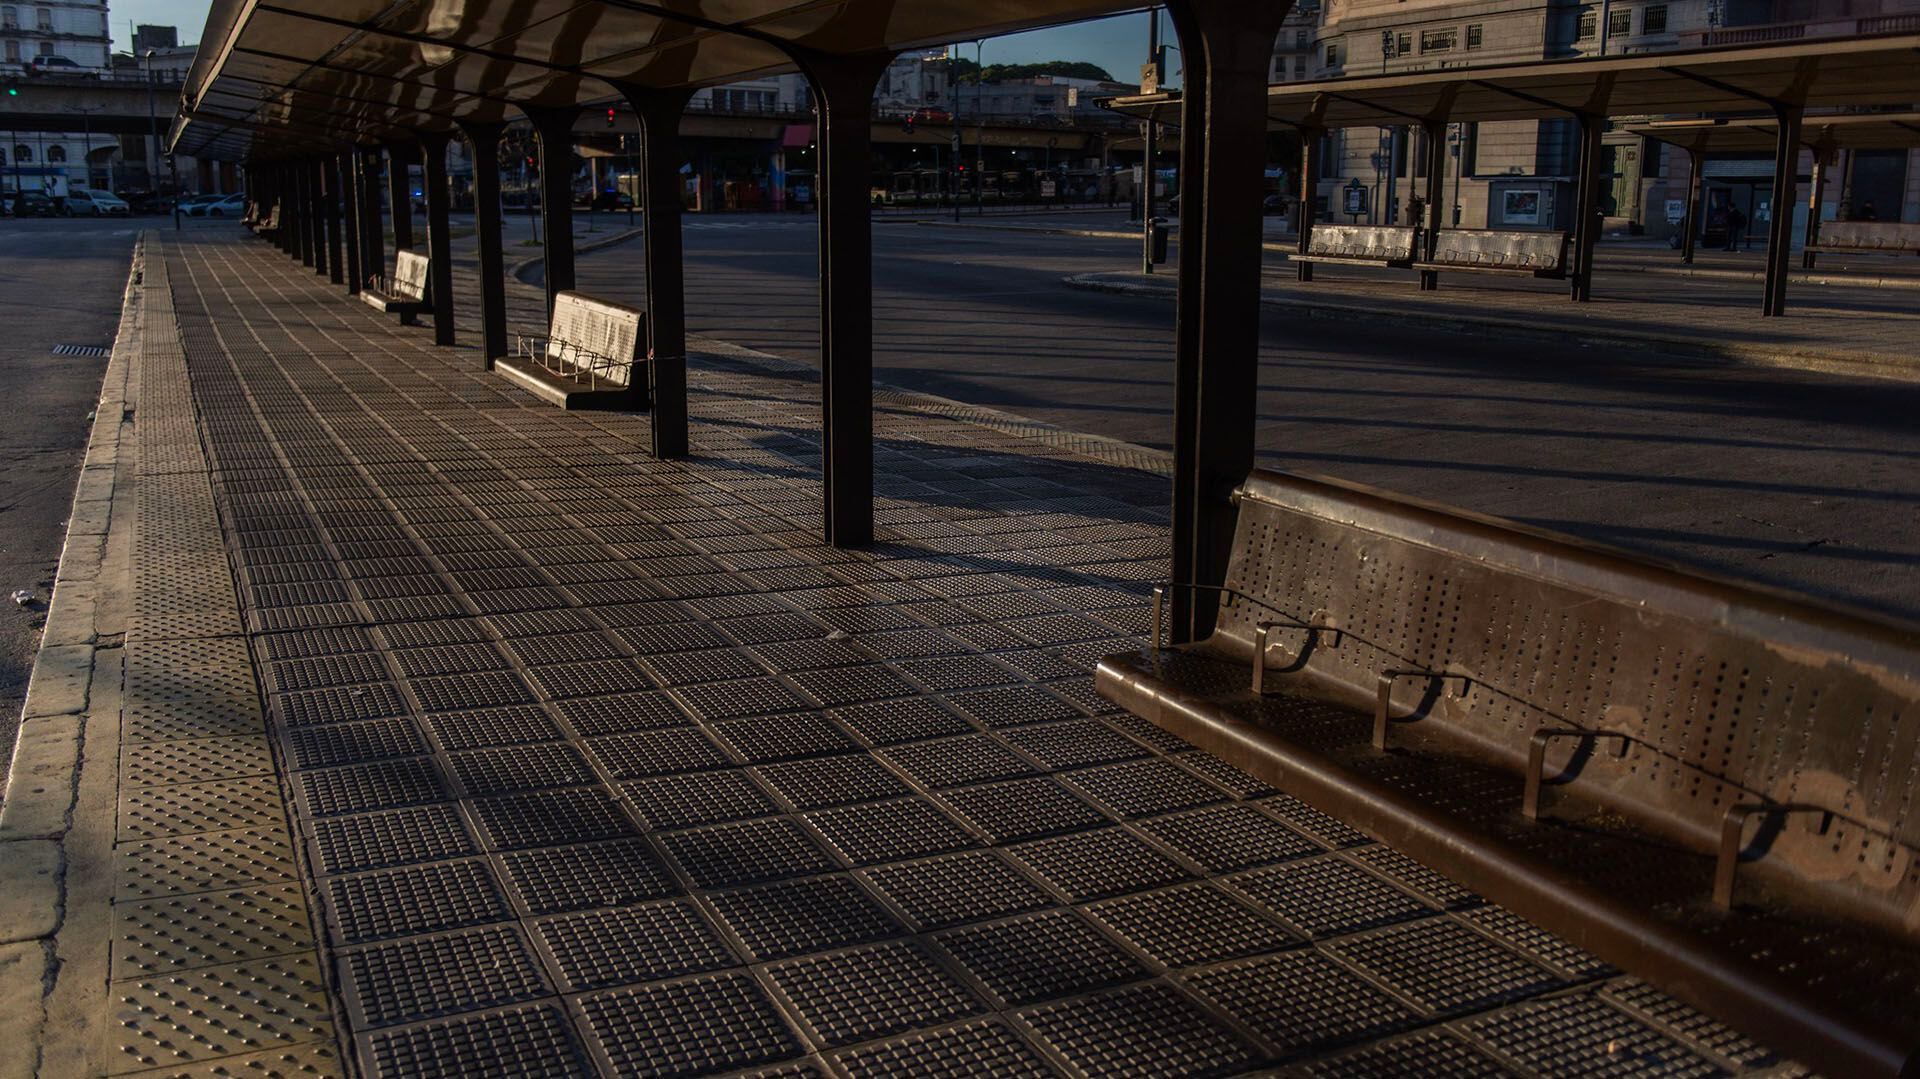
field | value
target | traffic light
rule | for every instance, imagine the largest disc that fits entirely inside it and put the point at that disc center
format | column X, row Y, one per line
column 13, row 88
column 906, row 125
column 610, row 116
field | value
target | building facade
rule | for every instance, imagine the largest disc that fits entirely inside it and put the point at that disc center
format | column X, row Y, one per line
column 56, row 36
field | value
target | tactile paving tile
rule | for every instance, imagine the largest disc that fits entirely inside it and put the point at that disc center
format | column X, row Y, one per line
column 1143, row 788
column 202, row 862
column 422, row 977
column 318, row 1060
column 704, row 1024
column 1300, row 1000
column 1415, row 877
column 182, row 808
column 1687, row 1023
column 955, row 889
column 1022, row 809
column 532, row 1041
column 393, row 838
column 889, row 831
column 358, row 788
column 555, row 879
column 831, row 781
column 954, row 762
column 1431, row 1052
column 1535, row 943
column 622, row 712
column 1075, row 743
column 748, row 852
column 682, row 801
column 1037, row 957
column 183, row 932
column 794, row 917
column 194, row 760
column 1583, row 1034
column 1325, row 896
column 1139, row 1030
column 1226, row 838
column 418, row 899
column 784, row 737
column 179, row 1018
column 646, row 942
column 980, row 1047
column 354, row 743
column 1092, row 865
column 1442, row 966
column 658, row 752
column 870, row 992
column 1189, row 924
column 521, row 768
column 482, row 727
column 884, row 723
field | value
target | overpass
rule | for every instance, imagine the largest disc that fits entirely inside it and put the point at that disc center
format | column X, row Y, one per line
column 106, row 103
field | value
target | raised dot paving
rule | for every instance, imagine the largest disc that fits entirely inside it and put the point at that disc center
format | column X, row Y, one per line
column 583, row 762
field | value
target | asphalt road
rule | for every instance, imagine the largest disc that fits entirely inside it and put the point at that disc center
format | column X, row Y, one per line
column 1803, row 480
column 61, row 283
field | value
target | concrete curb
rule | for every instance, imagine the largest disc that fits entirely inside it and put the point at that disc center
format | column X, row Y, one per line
column 75, row 669
column 517, row 270
column 1867, row 365
column 1282, row 247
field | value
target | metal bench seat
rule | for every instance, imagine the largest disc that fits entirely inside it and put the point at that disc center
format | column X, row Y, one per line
column 1496, row 251
column 1359, row 245
column 406, row 294
column 1707, row 784
column 593, row 356
column 1888, row 237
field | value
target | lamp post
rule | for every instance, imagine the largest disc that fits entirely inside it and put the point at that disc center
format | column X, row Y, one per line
column 153, row 128
column 86, row 135
column 980, row 125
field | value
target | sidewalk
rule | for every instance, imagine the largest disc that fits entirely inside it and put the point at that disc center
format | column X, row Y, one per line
column 457, row 734
column 1831, row 329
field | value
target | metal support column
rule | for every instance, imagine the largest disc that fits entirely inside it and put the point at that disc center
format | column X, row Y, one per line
column 1814, row 203
column 1690, row 222
column 303, row 179
column 336, row 203
column 1436, row 163
column 356, row 248
column 1217, row 365
column 484, row 142
column 433, row 148
column 373, row 245
column 843, row 89
column 659, row 113
column 555, row 128
column 1786, row 169
column 400, row 157
column 1586, row 229
column 283, row 193
column 1310, row 150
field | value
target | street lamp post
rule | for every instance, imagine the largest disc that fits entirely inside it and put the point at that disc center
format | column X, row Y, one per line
column 86, row 135
column 980, row 125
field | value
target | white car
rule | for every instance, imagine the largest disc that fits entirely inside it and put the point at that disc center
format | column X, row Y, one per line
column 233, row 205
column 93, row 202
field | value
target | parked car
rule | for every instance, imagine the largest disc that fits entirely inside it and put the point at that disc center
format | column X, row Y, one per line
column 57, row 65
column 932, row 116
column 613, row 200
column 192, row 205
column 93, row 202
column 6, row 204
column 34, row 204
column 232, row 205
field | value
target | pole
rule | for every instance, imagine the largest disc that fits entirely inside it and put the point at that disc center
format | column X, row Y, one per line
column 953, row 84
column 1786, row 166
column 979, row 125
column 1690, row 223
column 1818, row 196
column 484, row 138
column 1150, row 138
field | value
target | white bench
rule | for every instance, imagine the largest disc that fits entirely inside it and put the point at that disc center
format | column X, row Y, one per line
column 591, row 356
column 1527, row 254
column 406, row 294
column 1360, row 245
column 1889, row 237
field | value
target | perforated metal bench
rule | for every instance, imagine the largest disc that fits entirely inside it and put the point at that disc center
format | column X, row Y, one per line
column 1496, row 251
column 406, row 294
column 1359, row 245
column 270, row 223
column 1711, row 785
column 592, row 356
column 1888, row 237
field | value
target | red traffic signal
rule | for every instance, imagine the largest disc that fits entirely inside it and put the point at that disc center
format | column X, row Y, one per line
column 610, row 116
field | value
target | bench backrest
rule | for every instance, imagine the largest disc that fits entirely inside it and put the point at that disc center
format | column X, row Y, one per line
column 1730, row 693
column 1870, row 235
column 410, row 276
column 609, row 331
column 1388, row 243
column 1505, row 249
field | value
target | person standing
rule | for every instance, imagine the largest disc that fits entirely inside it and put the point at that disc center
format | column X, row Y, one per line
column 1736, row 224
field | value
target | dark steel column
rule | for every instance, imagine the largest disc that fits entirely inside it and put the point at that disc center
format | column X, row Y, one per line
column 1587, row 205
column 659, row 112
column 356, row 252
column 1217, row 375
column 843, row 89
column 1691, row 222
column 400, row 157
column 303, row 177
column 1786, row 169
column 1436, row 134
column 1310, row 166
column 373, row 245
column 555, row 128
column 335, row 206
column 283, row 194
column 1819, row 196
column 439, row 244
column 484, row 142
column 319, row 192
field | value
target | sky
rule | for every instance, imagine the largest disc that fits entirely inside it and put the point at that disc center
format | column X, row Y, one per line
column 1118, row 44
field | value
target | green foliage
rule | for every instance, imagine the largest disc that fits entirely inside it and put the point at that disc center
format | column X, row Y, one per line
column 968, row 71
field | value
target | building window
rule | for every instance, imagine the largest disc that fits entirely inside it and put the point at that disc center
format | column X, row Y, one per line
column 22, row 154
column 1620, row 23
column 9, row 18
column 56, row 155
column 13, row 52
column 1333, row 55
column 1439, row 40
column 1299, row 67
column 1299, row 39
column 1473, row 35
column 45, row 17
column 1589, row 25
column 1654, row 19
column 1403, row 45
column 46, row 48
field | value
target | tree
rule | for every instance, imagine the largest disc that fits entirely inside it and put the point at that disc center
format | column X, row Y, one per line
column 968, row 71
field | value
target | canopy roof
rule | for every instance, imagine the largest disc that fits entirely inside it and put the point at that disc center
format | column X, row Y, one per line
column 309, row 73
column 1878, row 70
column 1842, row 131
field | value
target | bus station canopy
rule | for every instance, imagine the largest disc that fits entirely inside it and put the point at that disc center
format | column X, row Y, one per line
column 1753, row 134
column 1878, row 71
column 315, row 73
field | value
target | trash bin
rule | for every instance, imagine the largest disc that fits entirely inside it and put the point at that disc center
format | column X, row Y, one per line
column 1157, row 240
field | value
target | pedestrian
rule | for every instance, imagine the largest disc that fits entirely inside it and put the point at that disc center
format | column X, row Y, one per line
column 1866, row 212
column 1736, row 224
